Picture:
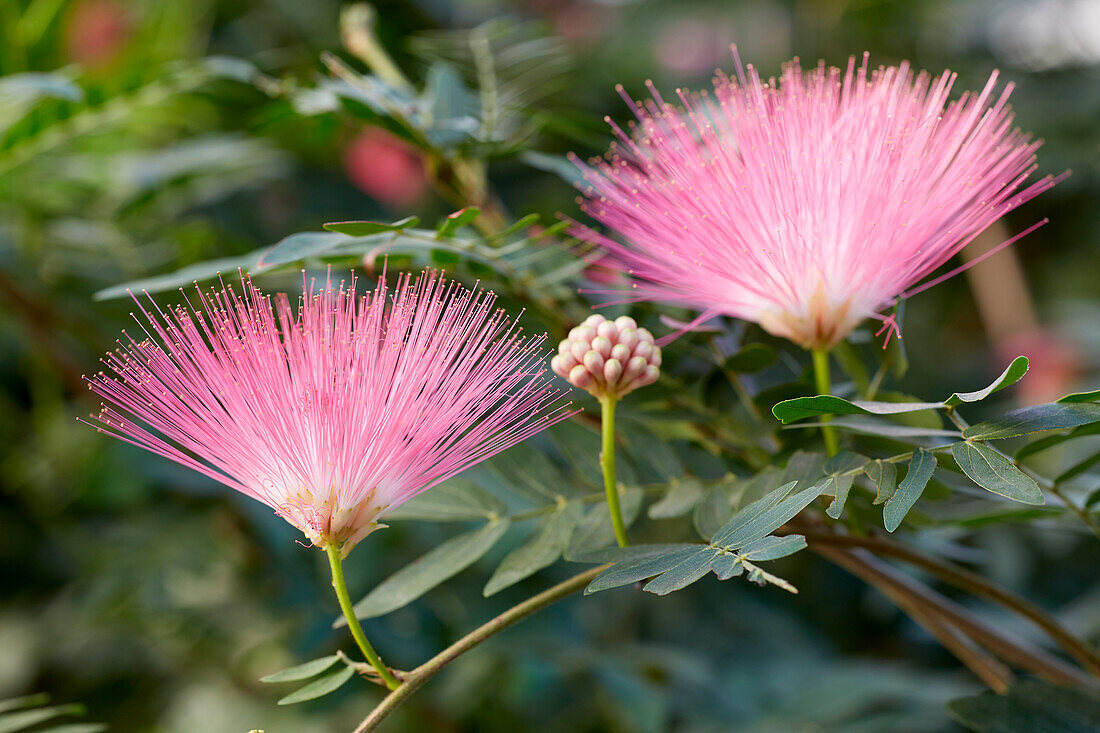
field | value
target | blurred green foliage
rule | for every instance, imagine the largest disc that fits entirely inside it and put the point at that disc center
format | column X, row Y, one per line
column 138, row 138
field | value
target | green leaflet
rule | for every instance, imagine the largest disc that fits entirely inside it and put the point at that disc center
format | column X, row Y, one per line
column 993, row 472
column 921, row 467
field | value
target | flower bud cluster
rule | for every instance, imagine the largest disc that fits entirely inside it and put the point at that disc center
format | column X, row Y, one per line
column 608, row 358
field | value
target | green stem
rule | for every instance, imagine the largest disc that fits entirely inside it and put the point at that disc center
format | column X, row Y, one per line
column 821, row 377
column 337, row 565
column 417, row 677
column 607, row 462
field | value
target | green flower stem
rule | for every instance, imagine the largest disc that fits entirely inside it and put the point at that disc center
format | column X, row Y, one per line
column 607, row 462
column 821, row 376
column 417, row 677
column 341, row 587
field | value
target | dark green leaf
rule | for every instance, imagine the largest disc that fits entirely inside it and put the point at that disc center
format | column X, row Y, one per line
column 645, row 566
column 453, row 500
column 366, row 228
column 1012, row 374
column 752, row 358
column 712, row 512
column 884, row 476
column 185, row 276
column 681, row 497
column 302, row 671
column 765, row 515
column 453, row 222
column 26, row 701
column 772, row 547
column 803, row 407
column 1054, row 416
column 921, row 467
column 1078, row 468
column 684, row 573
column 518, row 225
column 838, row 486
column 630, row 552
column 428, row 571
column 1030, row 707
column 992, row 471
column 320, row 686
column 24, row 719
column 302, row 245
column 1052, row 440
column 542, row 549
column 1092, row 396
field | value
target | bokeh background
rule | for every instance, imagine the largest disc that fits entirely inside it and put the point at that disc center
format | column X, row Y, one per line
column 158, row 599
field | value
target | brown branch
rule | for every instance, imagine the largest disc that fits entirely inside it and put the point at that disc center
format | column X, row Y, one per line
column 970, row 582
column 885, row 578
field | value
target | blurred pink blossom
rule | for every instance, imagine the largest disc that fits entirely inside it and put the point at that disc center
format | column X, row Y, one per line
column 386, row 168
column 96, row 32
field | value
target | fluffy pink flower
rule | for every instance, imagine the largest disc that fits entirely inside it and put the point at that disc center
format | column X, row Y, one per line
column 811, row 203
column 338, row 412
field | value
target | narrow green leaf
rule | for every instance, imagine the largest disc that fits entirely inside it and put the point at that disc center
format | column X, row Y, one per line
column 752, row 358
column 804, row 467
column 595, row 530
column 993, row 472
column 1053, row 416
column 366, row 228
column 428, row 571
column 185, row 276
column 885, row 478
column 1078, row 468
column 522, row 223
column 1050, row 441
column 640, row 568
column 302, row 671
column 24, row 719
column 453, row 222
column 75, row 728
column 299, row 246
column 1092, row 396
column 712, row 512
column 542, row 549
column 26, row 701
column 839, row 486
column 765, row 515
column 921, row 467
column 1012, row 374
column 556, row 164
column 803, row 407
column 618, row 554
column 684, row 573
column 319, row 687
column 773, row 548
column 681, row 498
column 454, row 500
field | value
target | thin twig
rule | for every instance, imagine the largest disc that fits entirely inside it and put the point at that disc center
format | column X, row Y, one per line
column 416, row 678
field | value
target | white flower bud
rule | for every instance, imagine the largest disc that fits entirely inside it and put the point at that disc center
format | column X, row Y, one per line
column 608, row 358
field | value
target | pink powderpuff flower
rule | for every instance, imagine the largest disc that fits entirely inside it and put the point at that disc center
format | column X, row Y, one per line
column 809, row 204
column 336, row 413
